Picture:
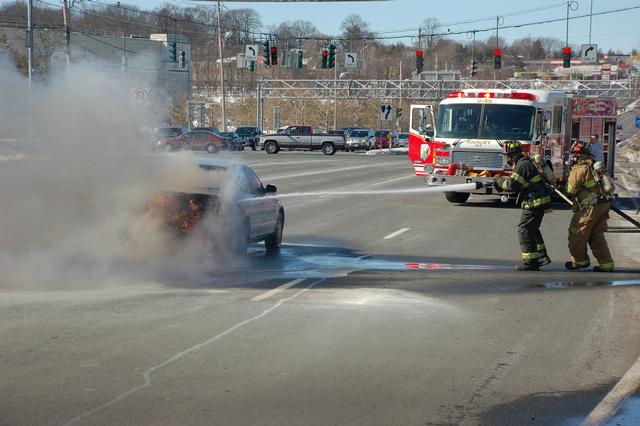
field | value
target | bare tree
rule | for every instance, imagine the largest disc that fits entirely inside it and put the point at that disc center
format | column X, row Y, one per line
column 551, row 46
column 431, row 28
column 241, row 24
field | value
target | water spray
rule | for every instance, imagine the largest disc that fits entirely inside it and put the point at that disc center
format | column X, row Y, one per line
column 462, row 187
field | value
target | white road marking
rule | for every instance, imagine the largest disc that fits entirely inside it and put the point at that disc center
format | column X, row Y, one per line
column 396, row 233
column 147, row 374
column 610, row 404
column 277, row 290
column 392, row 180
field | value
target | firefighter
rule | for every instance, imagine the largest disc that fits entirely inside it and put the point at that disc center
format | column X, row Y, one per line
column 528, row 183
column 591, row 211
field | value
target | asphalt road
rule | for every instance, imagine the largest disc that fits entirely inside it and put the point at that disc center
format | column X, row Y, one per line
column 381, row 309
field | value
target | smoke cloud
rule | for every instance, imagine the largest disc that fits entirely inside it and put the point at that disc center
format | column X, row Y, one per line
column 76, row 177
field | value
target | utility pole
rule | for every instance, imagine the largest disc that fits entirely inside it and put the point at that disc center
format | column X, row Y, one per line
column 223, row 99
column 590, row 20
column 335, row 95
column 30, row 39
column 66, row 18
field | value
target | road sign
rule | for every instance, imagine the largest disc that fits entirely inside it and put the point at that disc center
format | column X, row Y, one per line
column 251, row 52
column 637, row 121
column 589, row 53
column 387, row 112
column 350, row 60
column 140, row 95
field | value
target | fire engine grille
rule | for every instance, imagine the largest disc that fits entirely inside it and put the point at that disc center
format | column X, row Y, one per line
column 479, row 159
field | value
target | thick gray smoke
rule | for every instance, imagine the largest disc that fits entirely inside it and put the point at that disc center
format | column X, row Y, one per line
column 75, row 180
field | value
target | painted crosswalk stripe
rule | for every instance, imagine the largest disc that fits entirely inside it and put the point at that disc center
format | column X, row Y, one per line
column 277, row 290
column 396, row 233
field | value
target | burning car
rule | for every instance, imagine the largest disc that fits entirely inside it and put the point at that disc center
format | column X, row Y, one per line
column 228, row 197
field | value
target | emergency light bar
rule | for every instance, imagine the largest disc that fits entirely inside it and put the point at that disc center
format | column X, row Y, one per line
column 512, row 95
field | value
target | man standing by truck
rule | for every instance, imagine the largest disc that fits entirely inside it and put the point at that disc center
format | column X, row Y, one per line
column 591, row 211
column 529, row 184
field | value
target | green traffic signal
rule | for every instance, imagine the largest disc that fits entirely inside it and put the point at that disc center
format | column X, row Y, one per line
column 300, row 55
column 173, row 52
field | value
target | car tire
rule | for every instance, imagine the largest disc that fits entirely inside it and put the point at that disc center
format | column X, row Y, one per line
column 168, row 148
column 212, row 149
column 242, row 242
column 272, row 242
column 328, row 148
column 457, row 197
column 271, row 147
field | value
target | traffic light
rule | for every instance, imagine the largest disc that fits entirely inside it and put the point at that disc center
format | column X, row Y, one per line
column 173, row 52
column 332, row 56
column 266, row 52
column 325, row 57
column 566, row 57
column 497, row 59
column 300, row 55
column 419, row 60
column 251, row 65
column 182, row 60
column 474, row 68
column 274, row 55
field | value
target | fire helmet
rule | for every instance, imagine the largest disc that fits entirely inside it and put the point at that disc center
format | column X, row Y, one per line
column 512, row 148
column 580, row 147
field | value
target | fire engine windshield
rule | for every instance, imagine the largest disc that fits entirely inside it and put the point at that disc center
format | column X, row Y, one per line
column 459, row 120
column 508, row 122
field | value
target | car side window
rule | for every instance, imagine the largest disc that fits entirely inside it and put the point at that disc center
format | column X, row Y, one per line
column 292, row 131
column 255, row 185
column 305, row 131
column 188, row 136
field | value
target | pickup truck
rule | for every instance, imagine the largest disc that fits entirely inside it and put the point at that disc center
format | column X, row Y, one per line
column 303, row 138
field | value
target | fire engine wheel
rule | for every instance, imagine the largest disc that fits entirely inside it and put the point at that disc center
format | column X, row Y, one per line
column 273, row 241
column 328, row 148
column 271, row 147
column 212, row 149
column 457, row 197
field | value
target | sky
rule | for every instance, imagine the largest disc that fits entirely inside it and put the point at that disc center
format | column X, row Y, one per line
column 617, row 31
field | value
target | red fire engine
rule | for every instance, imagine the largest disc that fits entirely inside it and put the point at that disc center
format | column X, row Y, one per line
column 465, row 143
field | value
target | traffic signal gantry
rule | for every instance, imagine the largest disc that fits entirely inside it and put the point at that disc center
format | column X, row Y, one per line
column 566, row 57
column 419, row 60
column 497, row 59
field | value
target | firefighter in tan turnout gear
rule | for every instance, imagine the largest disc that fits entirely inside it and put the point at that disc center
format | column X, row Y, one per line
column 591, row 211
column 527, row 181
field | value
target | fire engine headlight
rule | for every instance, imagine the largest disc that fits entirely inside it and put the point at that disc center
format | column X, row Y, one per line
column 428, row 168
column 443, row 161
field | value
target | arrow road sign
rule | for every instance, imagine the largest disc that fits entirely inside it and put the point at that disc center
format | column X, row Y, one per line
column 386, row 112
column 350, row 60
column 251, row 52
column 589, row 53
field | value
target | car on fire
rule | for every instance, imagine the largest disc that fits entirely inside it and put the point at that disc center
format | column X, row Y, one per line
column 194, row 140
column 232, row 194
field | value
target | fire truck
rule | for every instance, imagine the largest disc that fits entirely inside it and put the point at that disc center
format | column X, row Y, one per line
column 464, row 143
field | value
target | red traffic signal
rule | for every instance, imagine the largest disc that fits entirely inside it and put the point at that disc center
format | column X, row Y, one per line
column 497, row 52
column 497, row 59
column 566, row 57
column 274, row 55
column 419, row 53
column 419, row 61
column 325, row 57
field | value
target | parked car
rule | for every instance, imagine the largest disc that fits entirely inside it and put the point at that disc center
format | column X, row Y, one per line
column 360, row 139
column 234, row 142
column 235, row 196
column 301, row 138
column 249, row 136
column 195, row 140
column 205, row 129
column 382, row 139
column 169, row 132
column 403, row 139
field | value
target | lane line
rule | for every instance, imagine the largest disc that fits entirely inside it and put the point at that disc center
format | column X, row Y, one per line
column 277, row 290
column 396, row 233
column 393, row 180
column 147, row 374
column 610, row 404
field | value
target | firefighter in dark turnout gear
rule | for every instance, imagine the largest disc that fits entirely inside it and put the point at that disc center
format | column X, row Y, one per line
column 591, row 211
column 528, row 182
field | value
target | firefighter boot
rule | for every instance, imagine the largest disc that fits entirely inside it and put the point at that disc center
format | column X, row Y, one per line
column 580, row 265
column 544, row 259
column 603, row 268
column 528, row 266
